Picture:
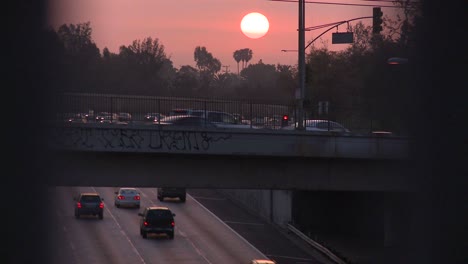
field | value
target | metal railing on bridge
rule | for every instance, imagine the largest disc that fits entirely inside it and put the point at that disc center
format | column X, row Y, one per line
column 134, row 109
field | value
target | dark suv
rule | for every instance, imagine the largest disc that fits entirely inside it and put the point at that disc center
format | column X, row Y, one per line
column 171, row 193
column 157, row 220
column 89, row 204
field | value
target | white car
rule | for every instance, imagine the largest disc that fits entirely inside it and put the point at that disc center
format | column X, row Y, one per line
column 320, row 125
column 127, row 197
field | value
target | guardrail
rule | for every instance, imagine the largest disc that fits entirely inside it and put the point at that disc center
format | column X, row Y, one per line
column 315, row 244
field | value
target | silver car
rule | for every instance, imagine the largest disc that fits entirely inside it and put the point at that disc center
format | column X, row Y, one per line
column 127, row 197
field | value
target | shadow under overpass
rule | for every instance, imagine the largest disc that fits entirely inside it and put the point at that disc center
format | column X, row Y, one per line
column 82, row 168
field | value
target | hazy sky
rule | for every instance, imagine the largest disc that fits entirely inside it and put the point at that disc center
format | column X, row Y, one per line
column 215, row 24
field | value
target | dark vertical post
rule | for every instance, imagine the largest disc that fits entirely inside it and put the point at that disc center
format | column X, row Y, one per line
column 159, row 111
column 301, row 59
column 251, row 117
column 272, row 219
column 112, row 109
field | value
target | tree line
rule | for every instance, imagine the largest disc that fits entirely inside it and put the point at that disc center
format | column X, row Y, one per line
column 355, row 78
column 144, row 68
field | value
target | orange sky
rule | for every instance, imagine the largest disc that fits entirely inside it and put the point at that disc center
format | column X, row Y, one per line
column 215, row 24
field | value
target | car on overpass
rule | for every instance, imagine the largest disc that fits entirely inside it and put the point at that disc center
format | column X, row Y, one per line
column 153, row 117
column 222, row 119
column 320, row 125
column 106, row 117
column 185, row 121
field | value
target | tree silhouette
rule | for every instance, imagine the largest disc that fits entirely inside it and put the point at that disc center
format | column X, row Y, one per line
column 246, row 56
column 205, row 61
column 237, row 57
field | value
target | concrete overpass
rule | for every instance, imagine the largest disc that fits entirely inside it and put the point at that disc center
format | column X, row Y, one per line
column 141, row 155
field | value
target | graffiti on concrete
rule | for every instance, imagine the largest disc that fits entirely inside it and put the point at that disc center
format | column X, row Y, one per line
column 134, row 139
column 121, row 138
column 184, row 140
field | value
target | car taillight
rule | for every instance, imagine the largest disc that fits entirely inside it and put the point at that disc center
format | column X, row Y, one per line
column 172, row 224
column 121, row 197
column 136, row 197
column 78, row 205
column 101, row 205
column 145, row 223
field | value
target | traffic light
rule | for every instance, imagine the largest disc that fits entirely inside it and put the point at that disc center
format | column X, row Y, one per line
column 284, row 120
column 377, row 20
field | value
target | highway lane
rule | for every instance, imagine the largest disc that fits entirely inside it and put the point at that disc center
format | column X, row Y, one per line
column 200, row 238
column 276, row 243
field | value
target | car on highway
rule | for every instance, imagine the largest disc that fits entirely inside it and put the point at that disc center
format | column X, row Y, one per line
column 186, row 121
column 262, row 261
column 171, row 192
column 320, row 125
column 89, row 203
column 127, row 197
column 157, row 220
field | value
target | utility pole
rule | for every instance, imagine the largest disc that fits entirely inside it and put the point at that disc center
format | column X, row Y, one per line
column 226, row 67
column 301, row 60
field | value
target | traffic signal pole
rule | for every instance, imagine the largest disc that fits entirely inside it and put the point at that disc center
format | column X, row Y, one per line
column 301, row 60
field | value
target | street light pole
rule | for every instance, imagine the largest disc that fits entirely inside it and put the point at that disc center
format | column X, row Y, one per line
column 301, row 60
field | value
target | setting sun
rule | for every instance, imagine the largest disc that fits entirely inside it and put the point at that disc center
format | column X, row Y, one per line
column 254, row 25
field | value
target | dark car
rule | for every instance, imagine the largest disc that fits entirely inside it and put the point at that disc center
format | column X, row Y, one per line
column 157, row 220
column 171, row 193
column 89, row 204
column 186, row 121
column 153, row 117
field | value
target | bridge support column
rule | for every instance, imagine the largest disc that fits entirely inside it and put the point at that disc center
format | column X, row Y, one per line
column 396, row 225
column 273, row 205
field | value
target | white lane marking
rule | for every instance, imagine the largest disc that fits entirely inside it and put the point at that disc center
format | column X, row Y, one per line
column 243, row 223
column 123, row 233
column 242, row 238
column 72, row 246
column 198, row 250
column 143, row 194
column 75, row 254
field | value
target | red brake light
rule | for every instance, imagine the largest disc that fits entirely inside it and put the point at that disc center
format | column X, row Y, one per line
column 172, row 223
column 137, row 197
column 285, row 117
column 101, row 205
column 78, row 205
column 121, row 197
column 145, row 223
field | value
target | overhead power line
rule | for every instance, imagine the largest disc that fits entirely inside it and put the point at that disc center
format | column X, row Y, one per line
column 336, row 3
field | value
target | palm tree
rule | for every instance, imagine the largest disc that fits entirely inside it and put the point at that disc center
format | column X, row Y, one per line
column 238, row 57
column 248, row 56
